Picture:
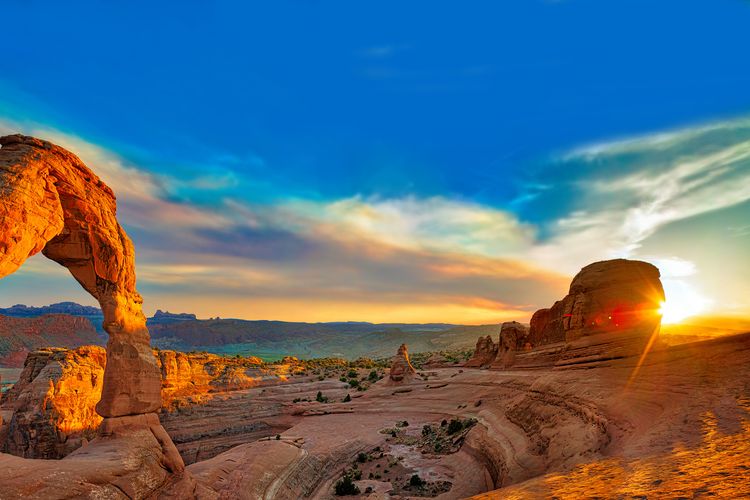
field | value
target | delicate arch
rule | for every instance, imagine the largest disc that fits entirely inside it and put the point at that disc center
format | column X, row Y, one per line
column 51, row 202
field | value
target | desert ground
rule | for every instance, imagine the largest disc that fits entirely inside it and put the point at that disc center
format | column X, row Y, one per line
column 680, row 427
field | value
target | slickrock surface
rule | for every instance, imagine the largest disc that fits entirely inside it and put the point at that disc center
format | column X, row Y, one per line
column 577, row 424
column 19, row 336
column 559, row 429
column 484, row 353
column 401, row 369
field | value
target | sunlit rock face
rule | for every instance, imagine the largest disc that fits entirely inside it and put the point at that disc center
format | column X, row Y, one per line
column 50, row 411
column 52, row 202
column 53, row 402
column 604, row 297
column 402, row 370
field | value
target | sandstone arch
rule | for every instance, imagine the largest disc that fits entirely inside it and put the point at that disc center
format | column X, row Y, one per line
column 51, row 202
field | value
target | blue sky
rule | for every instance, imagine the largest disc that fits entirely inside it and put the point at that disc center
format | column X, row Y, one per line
column 395, row 160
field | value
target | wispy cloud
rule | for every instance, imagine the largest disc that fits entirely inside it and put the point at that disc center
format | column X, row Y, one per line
column 444, row 258
column 627, row 190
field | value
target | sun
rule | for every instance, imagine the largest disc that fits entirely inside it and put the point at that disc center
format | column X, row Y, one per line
column 683, row 301
column 672, row 313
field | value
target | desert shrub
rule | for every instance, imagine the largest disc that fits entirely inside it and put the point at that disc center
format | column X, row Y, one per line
column 320, row 398
column 443, row 423
column 346, row 486
column 416, row 481
column 353, row 374
column 362, row 458
column 373, row 376
column 455, row 426
column 354, row 383
column 347, row 398
column 426, row 430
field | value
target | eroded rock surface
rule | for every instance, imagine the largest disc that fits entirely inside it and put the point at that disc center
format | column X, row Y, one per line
column 484, row 353
column 608, row 296
column 51, row 409
column 513, row 338
column 51, row 202
column 53, row 403
column 401, row 369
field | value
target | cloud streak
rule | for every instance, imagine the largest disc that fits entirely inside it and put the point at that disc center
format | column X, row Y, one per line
column 417, row 258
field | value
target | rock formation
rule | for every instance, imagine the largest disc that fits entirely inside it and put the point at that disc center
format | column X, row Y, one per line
column 401, row 369
column 513, row 338
column 608, row 296
column 611, row 311
column 53, row 402
column 19, row 336
column 484, row 353
column 51, row 202
column 538, row 332
column 51, row 409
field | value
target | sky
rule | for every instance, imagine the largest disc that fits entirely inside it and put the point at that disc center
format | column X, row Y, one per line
column 395, row 161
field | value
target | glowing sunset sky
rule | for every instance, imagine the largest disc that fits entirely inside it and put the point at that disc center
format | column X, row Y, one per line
column 396, row 161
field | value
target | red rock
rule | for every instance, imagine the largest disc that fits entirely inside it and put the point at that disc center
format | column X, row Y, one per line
column 53, row 203
column 538, row 328
column 608, row 296
column 53, row 402
column 19, row 336
column 401, row 368
column 513, row 338
column 484, row 353
column 51, row 409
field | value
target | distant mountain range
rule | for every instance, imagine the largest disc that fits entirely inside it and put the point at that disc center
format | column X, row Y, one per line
column 275, row 339
column 22, row 334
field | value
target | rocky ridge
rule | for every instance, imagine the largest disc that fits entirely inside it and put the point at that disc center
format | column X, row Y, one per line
column 21, row 335
column 50, row 411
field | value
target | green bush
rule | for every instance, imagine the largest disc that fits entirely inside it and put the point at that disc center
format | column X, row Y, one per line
column 362, row 458
column 455, row 426
column 345, row 486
